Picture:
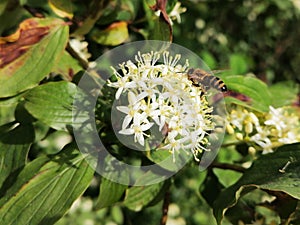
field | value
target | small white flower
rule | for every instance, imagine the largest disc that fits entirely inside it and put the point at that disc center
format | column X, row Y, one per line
column 131, row 110
column 236, row 118
column 80, row 47
column 139, row 125
column 123, row 84
column 176, row 11
column 275, row 118
column 262, row 139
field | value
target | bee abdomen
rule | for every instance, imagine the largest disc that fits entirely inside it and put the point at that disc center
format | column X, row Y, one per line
column 215, row 82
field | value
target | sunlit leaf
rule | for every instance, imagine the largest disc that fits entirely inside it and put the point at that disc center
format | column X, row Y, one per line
column 115, row 34
column 29, row 54
column 110, row 193
column 62, row 8
column 7, row 109
column 259, row 97
column 138, row 197
column 165, row 159
column 52, row 103
column 46, row 188
column 67, row 66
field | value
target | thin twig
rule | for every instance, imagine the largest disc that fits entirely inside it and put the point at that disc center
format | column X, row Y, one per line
column 73, row 53
column 228, row 166
column 34, row 11
column 165, row 208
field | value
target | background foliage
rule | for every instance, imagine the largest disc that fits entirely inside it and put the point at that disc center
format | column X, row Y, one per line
column 42, row 171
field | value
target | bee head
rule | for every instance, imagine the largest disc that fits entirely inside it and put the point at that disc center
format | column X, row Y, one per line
column 224, row 88
column 190, row 71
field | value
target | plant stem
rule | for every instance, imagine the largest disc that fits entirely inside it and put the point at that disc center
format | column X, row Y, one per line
column 228, row 166
column 165, row 208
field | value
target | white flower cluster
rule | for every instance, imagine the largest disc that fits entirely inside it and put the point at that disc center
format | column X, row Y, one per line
column 266, row 131
column 160, row 94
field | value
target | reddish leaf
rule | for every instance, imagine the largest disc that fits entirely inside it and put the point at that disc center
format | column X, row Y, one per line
column 15, row 45
column 28, row 55
column 161, row 5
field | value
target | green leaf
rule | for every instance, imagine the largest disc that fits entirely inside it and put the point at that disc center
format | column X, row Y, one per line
column 22, row 115
column 209, row 59
column 10, row 14
column 138, row 197
column 14, row 146
column 238, row 64
column 110, row 193
column 62, row 8
column 244, row 210
column 46, row 188
column 53, row 142
column 253, row 88
column 211, row 187
column 159, row 26
column 3, row 6
column 115, row 34
column 93, row 12
column 52, row 103
column 23, row 68
column 284, row 93
column 265, row 174
column 119, row 10
column 161, row 30
column 165, row 159
column 67, row 66
column 7, row 109
column 128, row 9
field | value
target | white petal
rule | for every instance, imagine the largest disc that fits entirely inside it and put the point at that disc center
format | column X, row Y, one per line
column 139, row 118
column 140, row 138
column 141, row 96
column 147, row 126
column 127, row 131
column 119, row 92
column 131, row 98
column 126, row 122
column 162, row 122
column 123, row 109
column 130, row 84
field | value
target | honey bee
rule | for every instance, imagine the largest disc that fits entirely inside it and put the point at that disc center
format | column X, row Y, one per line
column 201, row 78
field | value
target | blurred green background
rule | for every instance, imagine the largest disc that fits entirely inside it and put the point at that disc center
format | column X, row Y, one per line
column 243, row 37
column 261, row 38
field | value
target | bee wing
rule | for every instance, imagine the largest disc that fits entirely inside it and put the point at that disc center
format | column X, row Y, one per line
column 219, row 71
